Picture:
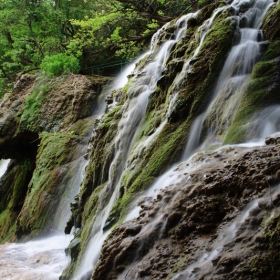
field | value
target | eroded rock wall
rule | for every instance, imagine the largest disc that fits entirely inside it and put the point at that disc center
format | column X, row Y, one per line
column 45, row 125
column 185, row 217
column 188, row 220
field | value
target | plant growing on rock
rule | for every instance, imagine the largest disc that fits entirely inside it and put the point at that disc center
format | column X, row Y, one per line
column 59, row 64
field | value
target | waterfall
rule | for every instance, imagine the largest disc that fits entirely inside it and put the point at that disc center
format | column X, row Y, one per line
column 226, row 235
column 136, row 105
column 233, row 77
column 3, row 166
column 236, row 72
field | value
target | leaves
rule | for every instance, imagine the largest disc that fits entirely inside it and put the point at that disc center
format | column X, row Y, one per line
column 93, row 31
column 59, row 64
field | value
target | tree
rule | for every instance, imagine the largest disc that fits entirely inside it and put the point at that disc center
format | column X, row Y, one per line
column 95, row 31
column 32, row 29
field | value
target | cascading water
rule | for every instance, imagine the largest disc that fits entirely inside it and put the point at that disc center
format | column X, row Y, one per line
column 234, row 75
column 232, row 80
column 172, row 175
column 226, row 235
column 3, row 166
column 144, row 84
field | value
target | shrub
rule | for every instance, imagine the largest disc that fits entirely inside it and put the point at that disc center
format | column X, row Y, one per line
column 59, row 64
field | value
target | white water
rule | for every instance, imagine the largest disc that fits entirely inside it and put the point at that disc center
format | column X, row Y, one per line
column 204, row 264
column 245, row 54
column 136, row 108
column 37, row 260
column 172, row 175
column 236, row 55
column 233, row 77
column 3, row 166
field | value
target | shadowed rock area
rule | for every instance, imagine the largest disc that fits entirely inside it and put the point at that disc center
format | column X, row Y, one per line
column 44, row 128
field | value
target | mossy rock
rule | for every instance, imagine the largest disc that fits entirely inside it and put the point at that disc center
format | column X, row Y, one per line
column 191, row 101
column 271, row 24
column 261, row 91
column 13, row 189
column 48, row 182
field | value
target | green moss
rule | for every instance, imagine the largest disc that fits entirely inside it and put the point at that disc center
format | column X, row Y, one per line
column 31, row 115
column 271, row 24
column 203, row 3
column 48, row 181
column 218, row 36
column 272, row 51
column 177, row 267
column 81, row 129
column 7, row 225
column 91, row 204
column 13, row 188
column 261, row 91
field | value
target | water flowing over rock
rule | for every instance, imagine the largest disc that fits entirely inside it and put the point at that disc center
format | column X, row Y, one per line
column 180, row 182
column 184, row 103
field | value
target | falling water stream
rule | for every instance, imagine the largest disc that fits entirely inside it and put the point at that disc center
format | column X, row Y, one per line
column 245, row 55
column 3, row 166
column 29, row 261
column 234, row 75
column 247, row 52
column 131, row 119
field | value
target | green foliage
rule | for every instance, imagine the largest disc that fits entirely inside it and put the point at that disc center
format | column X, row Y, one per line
column 59, row 64
column 5, row 86
column 26, row 164
column 31, row 113
column 93, row 31
column 31, row 30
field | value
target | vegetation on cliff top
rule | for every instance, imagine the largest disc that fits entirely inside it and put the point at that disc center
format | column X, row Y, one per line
column 93, row 31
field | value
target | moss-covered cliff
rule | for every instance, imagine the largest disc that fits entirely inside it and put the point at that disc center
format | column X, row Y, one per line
column 45, row 124
column 175, row 102
column 173, row 106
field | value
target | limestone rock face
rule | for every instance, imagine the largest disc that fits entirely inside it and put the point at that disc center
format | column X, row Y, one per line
column 37, row 104
column 185, row 219
column 44, row 129
column 191, row 218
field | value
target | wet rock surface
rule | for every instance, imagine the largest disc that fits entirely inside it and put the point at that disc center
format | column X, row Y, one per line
column 44, row 128
column 183, row 222
column 37, row 104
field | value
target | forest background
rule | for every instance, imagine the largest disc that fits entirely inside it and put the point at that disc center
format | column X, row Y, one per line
column 37, row 34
